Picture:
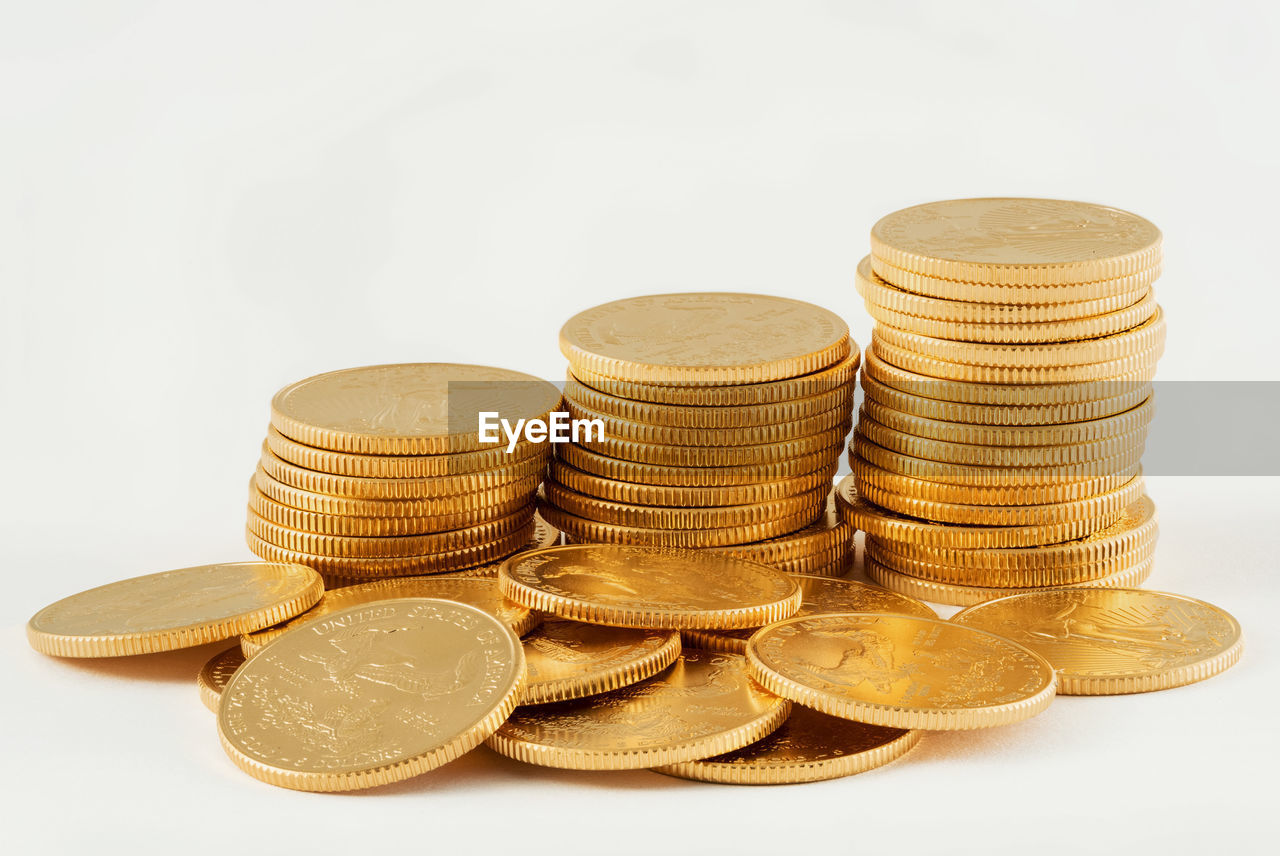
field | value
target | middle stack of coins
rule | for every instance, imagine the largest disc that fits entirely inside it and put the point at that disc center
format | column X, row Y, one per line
column 718, row 423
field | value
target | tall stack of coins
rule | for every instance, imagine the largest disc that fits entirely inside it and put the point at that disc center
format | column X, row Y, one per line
column 719, row 422
column 1007, row 398
column 380, row 472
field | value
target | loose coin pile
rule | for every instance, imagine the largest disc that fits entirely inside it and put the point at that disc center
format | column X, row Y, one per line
column 380, row 472
column 719, row 420
column 1007, row 394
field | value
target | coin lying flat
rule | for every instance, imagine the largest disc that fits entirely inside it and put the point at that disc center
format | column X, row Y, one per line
column 866, row 473
column 406, row 409
column 582, row 529
column 1016, row 241
column 399, row 466
column 773, row 432
column 703, row 705
column 901, row 671
column 704, row 338
column 678, row 517
column 706, row 417
column 1115, row 641
column 371, row 694
column 387, row 546
column 821, row 595
column 808, row 747
column 685, row 497
column 473, row 505
column 216, row 674
column 568, row 659
column 648, row 587
column 1144, row 361
column 480, row 592
column 174, row 609
column 603, row 466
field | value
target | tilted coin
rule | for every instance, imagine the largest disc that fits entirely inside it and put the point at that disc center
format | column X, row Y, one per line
column 371, row 694
column 961, row 595
column 983, row 578
column 685, row 497
column 582, row 529
column 603, row 466
column 569, row 659
column 975, row 454
column 351, row 546
column 808, row 747
column 480, row 592
column 493, row 501
column 400, row 466
column 901, row 671
column 703, row 705
column 173, row 609
column 821, row 595
column 1017, row 241
column 1052, row 332
column 705, row 338
column 1114, row 641
column 406, row 409
column 674, row 435
column 216, row 674
column 648, row 587
column 836, row 376
column 866, row 473
column 827, row 538
column 716, row 456
column 670, row 517
column 1144, row 361
column 1124, row 288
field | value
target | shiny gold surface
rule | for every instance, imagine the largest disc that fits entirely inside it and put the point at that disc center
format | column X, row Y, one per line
column 173, row 609
column 479, row 592
column 901, row 671
column 582, row 529
column 352, row 546
column 400, row 466
column 603, row 466
column 674, row 435
column 1113, row 641
column 1143, row 361
column 686, row 497
column 716, row 456
column 704, row 416
column 472, row 505
column 216, row 674
column 670, row 517
column 704, row 338
column 371, row 694
column 569, row 659
column 405, row 409
column 648, row 587
column 808, row 747
column 703, row 705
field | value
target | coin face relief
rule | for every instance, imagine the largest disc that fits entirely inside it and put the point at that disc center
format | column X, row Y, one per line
column 371, row 694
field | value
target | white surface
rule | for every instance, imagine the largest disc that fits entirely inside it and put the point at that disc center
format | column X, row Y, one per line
column 203, row 203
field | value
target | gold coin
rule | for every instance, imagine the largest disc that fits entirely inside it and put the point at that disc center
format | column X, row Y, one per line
column 593, row 531
column 821, row 596
column 373, row 694
column 997, row 414
column 778, row 432
column 1006, row 435
column 1017, row 241
column 838, row 376
column 1122, row 467
column 400, row 466
column 901, row 671
column 569, row 659
column 343, row 525
column 406, row 409
column 1059, row 575
column 349, row 546
column 877, row 479
column 665, row 517
column 543, row 535
column 398, row 489
column 1115, row 641
column 1107, row 505
column 605, row 467
column 895, row 528
column 648, row 587
column 1005, row 310
column 173, row 609
column 685, row 497
column 497, row 501
column 480, row 592
column 1016, row 375
column 1141, row 339
column 703, row 705
column 704, row 338
column 1135, row 531
column 703, row 417
column 216, row 674
column 827, row 538
column 1136, row 383
column 368, row 569
column 1123, row 288
column 954, row 595
column 830, row 563
column 717, row 456
column 973, row 454
column 808, row 747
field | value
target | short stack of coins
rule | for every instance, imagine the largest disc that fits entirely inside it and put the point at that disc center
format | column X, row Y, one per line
column 721, row 422
column 1007, row 398
column 380, row 472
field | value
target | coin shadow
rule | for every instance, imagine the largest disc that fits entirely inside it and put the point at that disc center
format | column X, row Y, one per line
column 948, row 746
column 176, row 667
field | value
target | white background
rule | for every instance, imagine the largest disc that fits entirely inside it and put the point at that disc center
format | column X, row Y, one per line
column 200, row 203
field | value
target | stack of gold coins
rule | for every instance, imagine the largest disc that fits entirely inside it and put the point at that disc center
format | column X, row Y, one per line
column 707, row 420
column 1007, row 398
column 381, row 471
